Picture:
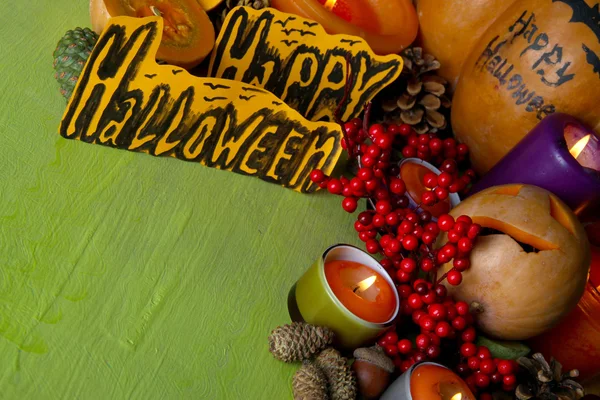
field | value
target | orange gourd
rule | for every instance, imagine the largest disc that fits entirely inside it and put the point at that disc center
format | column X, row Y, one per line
column 532, row 270
column 188, row 34
column 450, row 28
column 538, row 57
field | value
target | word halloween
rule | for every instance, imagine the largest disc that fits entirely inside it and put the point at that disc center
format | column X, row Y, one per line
column 295, row 59
column 125, row 100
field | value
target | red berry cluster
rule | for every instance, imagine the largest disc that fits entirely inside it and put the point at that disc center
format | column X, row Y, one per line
column 429, row 147
column 442, row 321
column 446, row 183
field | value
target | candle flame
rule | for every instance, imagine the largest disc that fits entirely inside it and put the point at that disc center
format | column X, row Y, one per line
column 457, row 396
column 579, row 146
column 329, row 4
column 365, row 284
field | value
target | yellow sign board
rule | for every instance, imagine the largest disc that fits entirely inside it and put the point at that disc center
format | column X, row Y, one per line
column 295, row 59
column 124, row 99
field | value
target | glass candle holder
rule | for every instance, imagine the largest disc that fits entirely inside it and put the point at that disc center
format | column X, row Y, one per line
column 348, row 291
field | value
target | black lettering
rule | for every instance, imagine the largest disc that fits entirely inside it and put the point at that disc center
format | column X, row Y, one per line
column 520, row 24
column 535, row 104
column 514, row 82
column 540, row 42
column 544, row 111
column 489, row 52
column 501, row 76
column 522, row 95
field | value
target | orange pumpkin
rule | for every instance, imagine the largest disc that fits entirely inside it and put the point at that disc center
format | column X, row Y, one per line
column 449, row 29
column 188, row 33
column 538, row 57
column 522, row 291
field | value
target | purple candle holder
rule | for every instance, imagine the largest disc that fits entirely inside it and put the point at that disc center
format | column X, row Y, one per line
column 561, row 155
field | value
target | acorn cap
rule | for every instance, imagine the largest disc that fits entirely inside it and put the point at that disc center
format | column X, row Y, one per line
column 375, row 355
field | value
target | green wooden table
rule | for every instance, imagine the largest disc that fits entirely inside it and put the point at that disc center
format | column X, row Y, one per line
column 128, row 276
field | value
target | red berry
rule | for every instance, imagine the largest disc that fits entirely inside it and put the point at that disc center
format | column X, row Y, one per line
column 468, row 350
column 430, row 180
column 496, row 377
column 384, row 141
column 376, row 129
column 397, row 186
column 428, row 238
column 428, row 198
column 488, row 366
column 441, row 193
column 365, row 174
column 461, row 264
column 473, row 363
column 469, row 335
column 505, row 367
column 423, row 341
column 448, row 250
column 391, row 350
column 378, row 221
column 445, row 222
column 437, row 311
column 372, row 246
column 451, row 313
column 373, row 151
column 449, row 143
column 433, row 228
column 427, row 323
column 509, row 380
column 461, row 227
column 357, row 186
column 484, row 353
column 415, row 302
column 392, row 219
column 416, row 316
column 408, row 152
column 462, row 369
column 317, row 176
column 349, row 204
column 420, row 357
column 474, row 231
column 406, row 227
column 442, row 329
column 462, row 308
column 391, row 337
column 429, row 298
column 435, row 145
column 427, row 265
column 465, row 245
column 433, row 352
column 394, row 246
column 382, row 194
column 408, row 265
column 334, row 186
column 418, row 232
column 440, row 290
column 459, row 323
column 404, row 346
column 462, row 149
column 482, row 380
column 405, row 129
column 371, row 185
column 368, row 161
column 445, row 180
column 404, row 291
column 466, row 219
column 454, row 277
column 410, row 242
column 403, row 276
column 449, row 166
column 383, row 207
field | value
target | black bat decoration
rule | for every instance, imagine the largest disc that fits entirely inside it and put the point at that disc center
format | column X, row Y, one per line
column 289, row 43
column 276, row 103
column 300, row 31
column 176, row 71
column 242, row 97
column 592, row 59
column 211, row 99
column 349, row 41
column 217, row 86
column 585, row 14
column 310, row 24
column 252, row 89
column 284, row 23
column 149, row 76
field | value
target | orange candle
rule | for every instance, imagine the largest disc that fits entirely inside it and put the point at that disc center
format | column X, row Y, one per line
column 361, row 290
column 388, row 26
column 433, row 382
column 412, row 171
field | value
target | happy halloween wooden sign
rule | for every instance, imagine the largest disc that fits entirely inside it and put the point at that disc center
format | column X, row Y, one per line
column 124, row 99
column 295, row 59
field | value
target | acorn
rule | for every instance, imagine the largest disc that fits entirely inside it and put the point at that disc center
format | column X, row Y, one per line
column 373, row 370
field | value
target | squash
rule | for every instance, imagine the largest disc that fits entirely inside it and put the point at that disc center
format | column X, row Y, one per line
column 449, row 29
column 537, row 58
column 188, row 35
column 531, row 273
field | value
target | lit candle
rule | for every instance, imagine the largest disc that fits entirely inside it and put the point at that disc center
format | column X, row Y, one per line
column 412, row 171
column 428, row 381
column 388, row 26
column 560, row 155
column 348, row 291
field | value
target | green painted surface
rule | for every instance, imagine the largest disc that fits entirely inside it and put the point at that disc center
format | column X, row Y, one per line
column 129, row 276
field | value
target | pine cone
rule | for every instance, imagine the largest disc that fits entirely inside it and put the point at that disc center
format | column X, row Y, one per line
column 309, row 383
column 546, row 381
column 221, row 12
column 419, row 97
column 298, row 341
column 70, row 56
column 342, row 384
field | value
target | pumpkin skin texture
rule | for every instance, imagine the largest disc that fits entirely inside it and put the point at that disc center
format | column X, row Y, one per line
column 522, row 294
column 514, row 78
column 449, row 29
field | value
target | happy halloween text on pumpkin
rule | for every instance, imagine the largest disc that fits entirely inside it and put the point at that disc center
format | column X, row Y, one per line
column 125, row 100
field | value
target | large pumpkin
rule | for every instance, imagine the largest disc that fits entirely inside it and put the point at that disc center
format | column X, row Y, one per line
column 532, row 269
column 538, row 57
column 449, row 29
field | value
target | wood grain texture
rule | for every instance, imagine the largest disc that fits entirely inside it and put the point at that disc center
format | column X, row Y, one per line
column 128, row 276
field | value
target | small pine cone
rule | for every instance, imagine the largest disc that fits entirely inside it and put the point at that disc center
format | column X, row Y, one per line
column 309, row 383
column 299, row 341
column 342, row 384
